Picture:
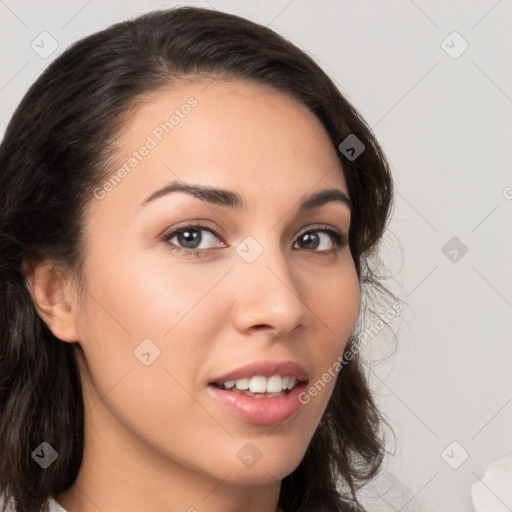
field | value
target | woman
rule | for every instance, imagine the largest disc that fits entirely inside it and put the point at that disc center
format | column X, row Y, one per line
column 189, row 212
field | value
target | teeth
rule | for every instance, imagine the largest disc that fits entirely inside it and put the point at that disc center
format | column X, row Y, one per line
column 242, row 384
column 260, row 384
column 274, row 384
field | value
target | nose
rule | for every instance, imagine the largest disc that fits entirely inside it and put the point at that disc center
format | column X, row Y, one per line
column 269, row 296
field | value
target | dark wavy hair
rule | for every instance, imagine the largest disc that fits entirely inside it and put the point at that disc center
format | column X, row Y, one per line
column 57, row 149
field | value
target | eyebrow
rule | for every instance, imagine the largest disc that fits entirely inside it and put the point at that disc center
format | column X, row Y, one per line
column 233, row 200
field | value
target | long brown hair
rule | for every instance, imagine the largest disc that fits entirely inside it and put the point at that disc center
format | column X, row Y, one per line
column 54, row 153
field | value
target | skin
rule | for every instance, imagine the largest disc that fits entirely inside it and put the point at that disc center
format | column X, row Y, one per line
column 154, row 437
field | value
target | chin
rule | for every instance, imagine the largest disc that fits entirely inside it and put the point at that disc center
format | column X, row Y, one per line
column 263, row 466
column 261, row 475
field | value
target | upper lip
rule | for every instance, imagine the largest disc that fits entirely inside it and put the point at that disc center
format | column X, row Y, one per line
column 265, row 369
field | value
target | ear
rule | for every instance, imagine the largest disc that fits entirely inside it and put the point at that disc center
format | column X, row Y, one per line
column 52, row 293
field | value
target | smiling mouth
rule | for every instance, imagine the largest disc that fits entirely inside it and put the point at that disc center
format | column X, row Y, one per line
column 268, row 399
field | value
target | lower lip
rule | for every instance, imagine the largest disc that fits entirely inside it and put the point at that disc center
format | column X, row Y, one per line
column 259, row 411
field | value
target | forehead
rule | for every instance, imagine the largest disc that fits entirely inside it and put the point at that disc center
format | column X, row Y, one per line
column 229, row 134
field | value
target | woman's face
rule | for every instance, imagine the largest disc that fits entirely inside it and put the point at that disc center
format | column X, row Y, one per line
column 168, row 314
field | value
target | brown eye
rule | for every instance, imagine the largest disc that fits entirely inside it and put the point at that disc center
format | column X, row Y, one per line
column 195, row 239
column 313, row 240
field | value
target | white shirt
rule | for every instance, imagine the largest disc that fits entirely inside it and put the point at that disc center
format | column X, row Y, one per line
column 55, row 507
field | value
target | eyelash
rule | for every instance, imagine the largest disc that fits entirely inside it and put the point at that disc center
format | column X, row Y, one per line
column 339, row 239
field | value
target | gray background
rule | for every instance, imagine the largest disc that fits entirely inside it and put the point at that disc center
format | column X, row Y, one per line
column 445, row 124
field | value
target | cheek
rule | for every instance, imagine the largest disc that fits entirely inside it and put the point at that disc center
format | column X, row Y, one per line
column 150, row 325
column 335, row 300
column 146, row 297
column 335, row 303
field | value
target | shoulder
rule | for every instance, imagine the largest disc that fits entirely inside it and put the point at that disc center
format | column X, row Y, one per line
column 54, row 506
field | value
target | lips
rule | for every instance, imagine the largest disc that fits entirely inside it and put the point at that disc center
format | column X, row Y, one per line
column 260, row 408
